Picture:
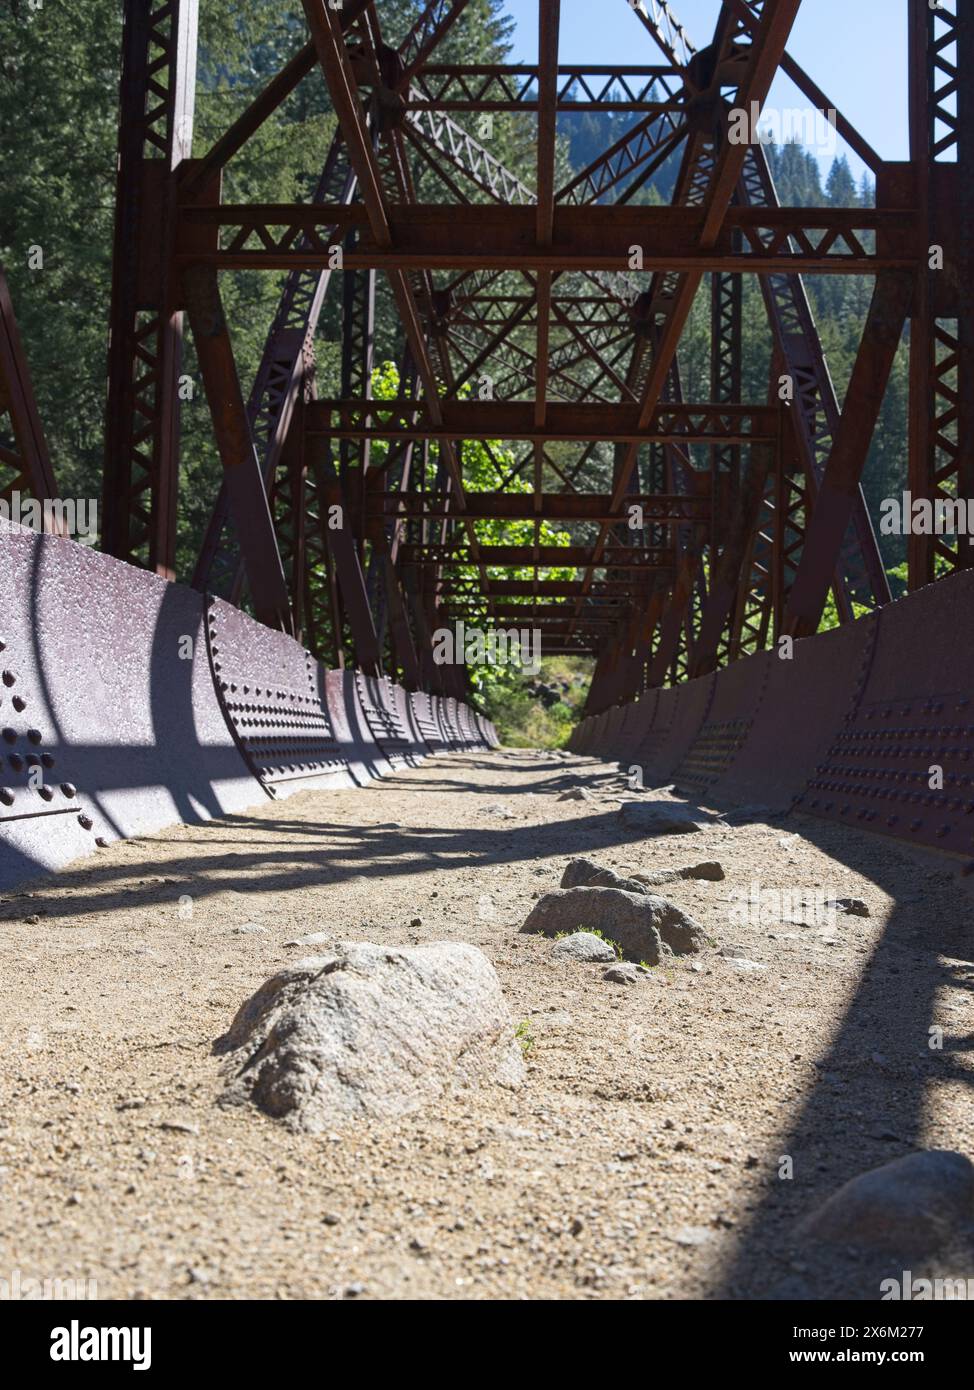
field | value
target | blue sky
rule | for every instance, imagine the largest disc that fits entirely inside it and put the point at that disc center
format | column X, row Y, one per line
column 856, row 50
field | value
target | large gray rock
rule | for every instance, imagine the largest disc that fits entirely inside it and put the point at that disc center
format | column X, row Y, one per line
column 582, row 873
column 912, row 1205
column 371, row 1032
column 639, row 923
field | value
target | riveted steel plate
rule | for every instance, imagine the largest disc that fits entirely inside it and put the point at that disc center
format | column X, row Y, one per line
column 596, row 734
column 739, row 692
column 269, row 690
column 39, row 803
column 387, row 720
column 588, row 743
column 450, row 723
column 472, row 727
column 578, row 739
column 649, row 753
column 902, row 760
column 425, row 715
column 611, row 736
column 108, row 666
column 681, row 712
column 462, row 726
column 485, row 730
column 806, row 698
column 642, row 716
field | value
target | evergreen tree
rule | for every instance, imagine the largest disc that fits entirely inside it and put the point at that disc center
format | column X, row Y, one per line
column 840, row 186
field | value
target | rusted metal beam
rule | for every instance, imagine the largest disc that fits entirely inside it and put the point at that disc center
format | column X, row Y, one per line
column 28, row 462
column 335, row 521
column 471, row 419
column 514, row 88
column 546, row 556
column 549, row 588
column 658, row 510
column 241, row 470
column 249, row 122
column 836, row 499
column 156, row 101
column 748, row 46
column 727, row 577
column 832, row 241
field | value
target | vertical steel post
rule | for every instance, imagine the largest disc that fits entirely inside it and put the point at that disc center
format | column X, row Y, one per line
column 155, row 134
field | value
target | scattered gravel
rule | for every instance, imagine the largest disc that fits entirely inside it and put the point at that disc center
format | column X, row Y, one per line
column 668, row 1138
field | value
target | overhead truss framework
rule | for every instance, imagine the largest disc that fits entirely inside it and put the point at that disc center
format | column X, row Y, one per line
column 538, row 465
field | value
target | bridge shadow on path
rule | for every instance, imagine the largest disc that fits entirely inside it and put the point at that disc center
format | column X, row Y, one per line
column 281, row 851
column 873, row 1096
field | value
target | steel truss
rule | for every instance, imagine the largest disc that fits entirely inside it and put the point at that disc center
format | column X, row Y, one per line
column 544, row 318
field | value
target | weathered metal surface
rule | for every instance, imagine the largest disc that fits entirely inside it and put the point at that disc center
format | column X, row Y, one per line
column 128, row 703
column 468, row 728
column 596, row 733
column 485, row 735
column 680, row 713
column 738, row 695
column 269, row 691
column 450, row 723
column 641, row 719
column 806, row 700
column 337, row 693
column 575, row 737
column 901, row 761
column 763, row 725
column 610, row 739
column 602, row 732
column 425, row 714
column 469, row 738
column 107, row 696
column 626, row 731
column 387, row 720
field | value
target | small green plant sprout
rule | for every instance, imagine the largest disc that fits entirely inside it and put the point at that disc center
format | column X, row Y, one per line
column 525, row 1037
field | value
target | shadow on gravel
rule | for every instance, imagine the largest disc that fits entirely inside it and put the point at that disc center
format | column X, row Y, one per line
column 291, row 853
column 868, row 1103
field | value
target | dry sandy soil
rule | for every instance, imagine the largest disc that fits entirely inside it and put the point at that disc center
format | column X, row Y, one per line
column 640, row 1160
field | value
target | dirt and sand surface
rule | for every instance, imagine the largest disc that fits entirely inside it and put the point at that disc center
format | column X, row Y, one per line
column 669, row 1134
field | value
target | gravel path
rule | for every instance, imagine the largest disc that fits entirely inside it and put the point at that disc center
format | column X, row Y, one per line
column 640, row 1160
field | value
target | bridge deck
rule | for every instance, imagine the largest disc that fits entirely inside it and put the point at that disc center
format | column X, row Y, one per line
column 641, row 1158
